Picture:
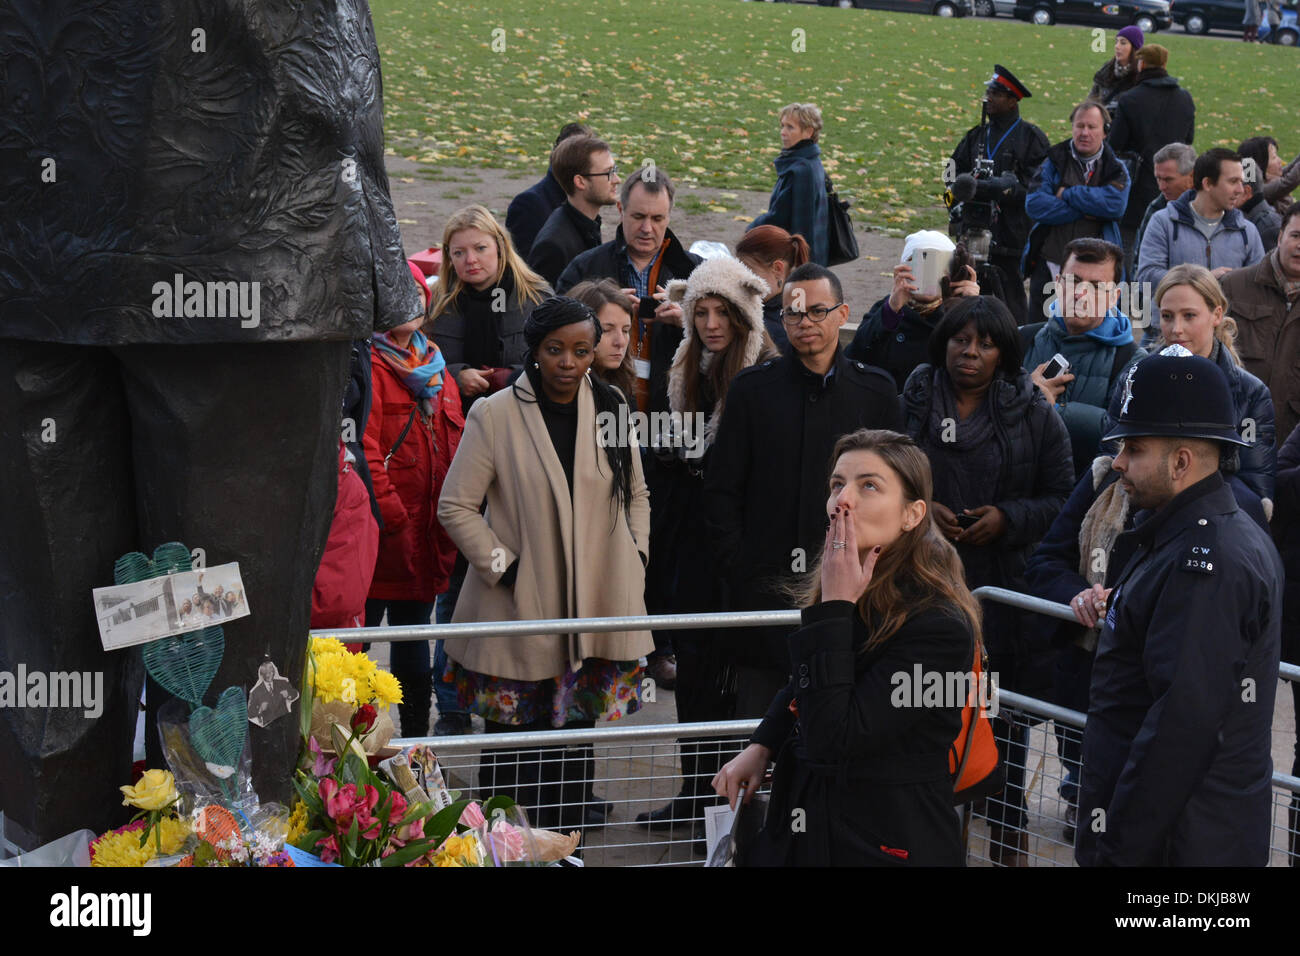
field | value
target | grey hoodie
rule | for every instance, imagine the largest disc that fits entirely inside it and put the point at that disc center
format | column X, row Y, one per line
column 1171, row 239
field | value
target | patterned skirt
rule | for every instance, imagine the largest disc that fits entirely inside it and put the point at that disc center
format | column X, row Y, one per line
column 599, row 690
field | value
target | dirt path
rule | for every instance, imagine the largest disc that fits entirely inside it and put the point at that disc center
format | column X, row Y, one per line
column 425, row 196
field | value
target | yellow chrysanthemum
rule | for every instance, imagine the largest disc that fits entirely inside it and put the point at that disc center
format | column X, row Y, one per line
column 331, row 671
column 385, row 688
column 297, row 822
column 124, row 849
column 327, row 645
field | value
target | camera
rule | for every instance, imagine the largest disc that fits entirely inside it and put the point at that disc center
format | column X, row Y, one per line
column 973, row 210
column 646, row 307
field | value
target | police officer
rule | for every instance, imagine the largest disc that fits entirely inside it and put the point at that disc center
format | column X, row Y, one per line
column 1176, row 764
column 1016, row 149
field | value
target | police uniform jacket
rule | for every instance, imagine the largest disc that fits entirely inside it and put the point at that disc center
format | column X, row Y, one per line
column 1176, row 754
column 1022, row 152
column 766, row 485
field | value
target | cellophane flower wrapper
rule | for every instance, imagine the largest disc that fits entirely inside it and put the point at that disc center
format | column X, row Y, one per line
column 197, row 784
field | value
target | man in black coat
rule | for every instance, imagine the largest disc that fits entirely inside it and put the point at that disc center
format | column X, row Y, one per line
column 1017, row 148
column 585, row 169
column 528, row 211
column 766, row 486
column 1156, row 112
column 643, row 255
column 1176, row 765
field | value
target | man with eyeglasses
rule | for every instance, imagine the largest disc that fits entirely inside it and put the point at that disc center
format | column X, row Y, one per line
column 765, row 485
column 585, row 169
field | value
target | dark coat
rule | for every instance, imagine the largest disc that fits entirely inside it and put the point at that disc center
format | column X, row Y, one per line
column 1107, row 84
column 772, row 322
column 1286, row 535
column 798, row 203
column 1022, row 152
column 528, row 211
column 565, row 235
column 1155, row 112
column 899, row 349
column 609, row 261
column 1257, row 463
column 1053, row 569
column 1265, row 218
column 868, row 774
column 255, row 169
column 766, row 487
column 1104, row 201
column 1035, row 478
column 1176, row 752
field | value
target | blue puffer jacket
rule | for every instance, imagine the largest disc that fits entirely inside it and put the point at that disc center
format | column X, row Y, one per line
column 798, row 203
column 1171, row 239
column 1105, row 201
column 1092, row 358
column 1257, row 464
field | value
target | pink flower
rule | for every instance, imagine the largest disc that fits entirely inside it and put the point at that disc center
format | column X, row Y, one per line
column 321, row 766
column 396, row 806
column 344, row 803
column 472, row 816
column 506, row 842
column 329, row 849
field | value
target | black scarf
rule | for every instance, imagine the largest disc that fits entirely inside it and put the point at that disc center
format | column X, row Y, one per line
column 483, row 325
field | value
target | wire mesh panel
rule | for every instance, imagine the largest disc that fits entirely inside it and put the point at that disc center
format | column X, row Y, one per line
column 599, row 781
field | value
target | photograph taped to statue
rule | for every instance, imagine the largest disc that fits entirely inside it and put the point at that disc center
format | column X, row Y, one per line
column 271, row 697
column 159, row 607
column 265, row 166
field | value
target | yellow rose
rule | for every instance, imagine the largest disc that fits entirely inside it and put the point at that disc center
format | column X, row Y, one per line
column 156, row 789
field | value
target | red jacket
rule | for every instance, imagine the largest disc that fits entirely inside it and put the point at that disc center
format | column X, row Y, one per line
column 338, row 597
column 415, row 554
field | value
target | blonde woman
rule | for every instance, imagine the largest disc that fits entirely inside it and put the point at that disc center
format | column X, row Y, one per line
column 798, row 203
column 484, row 295
column 1192, row 310
column 887, row 597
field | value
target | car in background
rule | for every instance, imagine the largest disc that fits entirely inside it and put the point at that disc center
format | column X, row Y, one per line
column 1202, row 16
column 1147, row 15
column 1288, row 34
column 995, row 8
column 940, row 8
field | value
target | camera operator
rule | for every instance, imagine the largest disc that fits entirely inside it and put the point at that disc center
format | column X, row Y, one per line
column 1001, row 155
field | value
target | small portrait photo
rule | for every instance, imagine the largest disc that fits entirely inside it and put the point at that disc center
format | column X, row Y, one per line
column 272, row 696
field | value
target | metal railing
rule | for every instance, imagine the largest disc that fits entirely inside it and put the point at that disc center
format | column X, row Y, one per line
column 641, row 768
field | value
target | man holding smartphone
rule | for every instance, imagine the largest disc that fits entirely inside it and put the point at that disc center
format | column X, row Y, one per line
column 642, row 257
column 1087, row 329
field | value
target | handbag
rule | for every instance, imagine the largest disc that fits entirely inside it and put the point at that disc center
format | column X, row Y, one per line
column 842, row 245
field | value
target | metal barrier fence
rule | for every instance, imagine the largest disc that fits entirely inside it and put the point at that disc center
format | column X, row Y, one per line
column 639, row 769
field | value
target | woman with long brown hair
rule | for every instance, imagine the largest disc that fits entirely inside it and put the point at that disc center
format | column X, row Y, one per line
column 885, row 604
column 723, row 335
column 613, row 362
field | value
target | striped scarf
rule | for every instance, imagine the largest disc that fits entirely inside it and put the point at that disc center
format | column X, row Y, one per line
column 419, row 366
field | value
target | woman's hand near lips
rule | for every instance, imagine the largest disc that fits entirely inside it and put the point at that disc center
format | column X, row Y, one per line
column 844, row 576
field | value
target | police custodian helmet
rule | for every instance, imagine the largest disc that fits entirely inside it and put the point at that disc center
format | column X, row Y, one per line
column 1177, row 395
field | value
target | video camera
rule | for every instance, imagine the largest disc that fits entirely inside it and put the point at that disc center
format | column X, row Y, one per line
column 972, row 200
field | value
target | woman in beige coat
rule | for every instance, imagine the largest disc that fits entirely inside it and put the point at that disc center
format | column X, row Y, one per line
column 565, row 535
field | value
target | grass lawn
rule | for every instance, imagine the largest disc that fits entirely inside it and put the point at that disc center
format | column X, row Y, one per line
column 694, row 85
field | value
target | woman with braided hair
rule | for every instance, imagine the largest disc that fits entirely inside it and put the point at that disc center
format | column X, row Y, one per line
column 565, row 535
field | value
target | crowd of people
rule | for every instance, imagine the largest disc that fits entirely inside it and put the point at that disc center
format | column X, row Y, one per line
column 969, row 435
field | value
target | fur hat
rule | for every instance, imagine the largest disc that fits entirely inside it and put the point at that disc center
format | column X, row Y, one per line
column 725, row 278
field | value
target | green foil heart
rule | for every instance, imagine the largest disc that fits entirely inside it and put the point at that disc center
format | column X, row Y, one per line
column 185, row 664
column 218, row 733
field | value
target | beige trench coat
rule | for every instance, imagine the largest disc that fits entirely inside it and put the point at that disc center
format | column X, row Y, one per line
column 578, row 557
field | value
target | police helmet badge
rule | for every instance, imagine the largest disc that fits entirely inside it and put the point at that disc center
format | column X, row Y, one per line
column 1128, row 389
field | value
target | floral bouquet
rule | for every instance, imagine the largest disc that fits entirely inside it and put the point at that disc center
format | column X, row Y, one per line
column 353, row 817
column 342, row 683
